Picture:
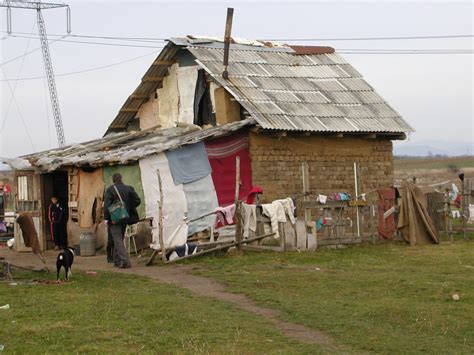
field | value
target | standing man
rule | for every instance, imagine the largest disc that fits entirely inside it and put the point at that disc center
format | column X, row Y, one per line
column 57, row 221
column 117, row 231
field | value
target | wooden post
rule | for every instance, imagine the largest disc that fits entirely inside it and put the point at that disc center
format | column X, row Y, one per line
column 356, row 198
column 464, row 207
column 307, row 212
column 238, row 215
column 160, row 218
column 227, row 38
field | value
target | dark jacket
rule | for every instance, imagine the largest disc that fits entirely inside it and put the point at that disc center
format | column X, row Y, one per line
column 129, row 197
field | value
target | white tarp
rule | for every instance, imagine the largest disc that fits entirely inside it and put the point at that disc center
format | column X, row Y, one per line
column 202, row 199
column 187, row 78
column 175, row 230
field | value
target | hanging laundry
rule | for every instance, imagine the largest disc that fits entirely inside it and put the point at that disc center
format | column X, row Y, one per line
column 454, row 192
column 320, row 223
column 276, row 212
column 341, row 196
column 322, row 199
column 249, row 219
column 289, row 208
column 227, row 213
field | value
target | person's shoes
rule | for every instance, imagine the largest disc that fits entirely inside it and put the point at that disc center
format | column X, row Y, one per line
column 124, row 266
column 110, row 261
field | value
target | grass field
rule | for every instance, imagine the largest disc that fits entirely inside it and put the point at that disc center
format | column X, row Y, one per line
column 433, row 163
column 126, row 314
column 386, row 299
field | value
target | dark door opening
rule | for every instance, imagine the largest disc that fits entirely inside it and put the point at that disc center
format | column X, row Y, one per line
column 54, row 184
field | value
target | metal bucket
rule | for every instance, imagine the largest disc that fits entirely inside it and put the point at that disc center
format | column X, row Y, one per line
column 87, row 244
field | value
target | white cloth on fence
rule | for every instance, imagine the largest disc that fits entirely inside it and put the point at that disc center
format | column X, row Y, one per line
column 249, row 219
column 276, row 212
column 471, row 214
column 289, row 208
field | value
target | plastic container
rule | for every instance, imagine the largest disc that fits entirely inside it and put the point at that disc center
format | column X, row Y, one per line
column 87, row 244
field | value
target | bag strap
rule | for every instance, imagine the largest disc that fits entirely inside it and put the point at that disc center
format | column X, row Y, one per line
column 118, row 193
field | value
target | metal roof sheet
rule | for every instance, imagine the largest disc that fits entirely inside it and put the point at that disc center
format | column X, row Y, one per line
column 281, row 90
column 315, row 92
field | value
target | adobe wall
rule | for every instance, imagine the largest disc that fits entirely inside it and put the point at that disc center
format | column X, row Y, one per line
column 276, row 164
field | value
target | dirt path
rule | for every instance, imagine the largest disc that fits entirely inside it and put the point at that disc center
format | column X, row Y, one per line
column 181, row 276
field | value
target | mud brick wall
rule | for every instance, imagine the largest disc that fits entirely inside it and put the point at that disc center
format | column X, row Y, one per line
column 276, row 164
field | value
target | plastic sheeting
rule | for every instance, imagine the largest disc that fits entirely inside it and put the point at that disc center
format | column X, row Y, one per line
column 131, row 176
column 90, row 197
column 175, row 230
column 201, row 199
column 187, row 77
column 188, row 163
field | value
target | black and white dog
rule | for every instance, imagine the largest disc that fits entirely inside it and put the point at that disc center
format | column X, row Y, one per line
column 65, row 259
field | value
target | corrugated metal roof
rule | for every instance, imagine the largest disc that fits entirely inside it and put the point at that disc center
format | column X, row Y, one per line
column 126, row 147
column 315, row 92
column 281, row 90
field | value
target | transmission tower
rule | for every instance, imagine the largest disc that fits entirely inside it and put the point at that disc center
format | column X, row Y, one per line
column 48, row 64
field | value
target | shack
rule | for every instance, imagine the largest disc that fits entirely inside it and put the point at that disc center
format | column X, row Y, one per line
column 280, row 106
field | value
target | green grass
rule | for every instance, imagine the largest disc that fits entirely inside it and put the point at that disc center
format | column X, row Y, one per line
column 433, row 163
column 388, row 298
column 115, row 313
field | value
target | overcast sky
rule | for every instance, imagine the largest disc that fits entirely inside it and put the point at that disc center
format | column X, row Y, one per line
column 433, row 92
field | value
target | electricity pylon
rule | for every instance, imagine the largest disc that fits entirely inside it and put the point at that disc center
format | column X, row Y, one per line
column 48, row 64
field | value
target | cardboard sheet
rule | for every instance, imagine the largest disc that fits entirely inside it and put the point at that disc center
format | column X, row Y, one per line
column 90, row 197
column 148, row 114
column 201, row 199
column 175, row 231
column 131, row 176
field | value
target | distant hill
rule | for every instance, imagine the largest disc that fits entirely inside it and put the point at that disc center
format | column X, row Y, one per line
column 433, row 148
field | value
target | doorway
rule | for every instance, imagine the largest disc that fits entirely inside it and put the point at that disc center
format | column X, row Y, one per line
column 54, row 184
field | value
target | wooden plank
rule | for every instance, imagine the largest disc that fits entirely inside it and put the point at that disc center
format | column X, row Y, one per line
column 238, row 212
column 290, row 236
column 163, row 62
column 301, row 235
column 152, row 78
column 160, row 216
column 329, row 204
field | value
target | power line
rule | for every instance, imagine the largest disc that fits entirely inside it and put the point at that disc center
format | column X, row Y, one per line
column 371, row 38
column 89, row 69
column 95, row 43
column 124, row 38
column 20, row 113
column 7, row 111
column 27, row 53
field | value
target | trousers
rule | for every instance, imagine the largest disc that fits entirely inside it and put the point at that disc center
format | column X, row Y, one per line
column 120, row 253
